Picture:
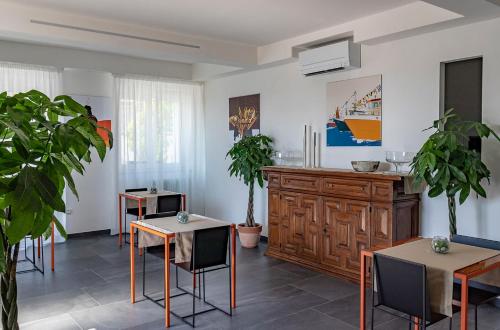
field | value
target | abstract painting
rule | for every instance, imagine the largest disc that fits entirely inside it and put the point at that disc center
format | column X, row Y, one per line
column 244, row 116
column 354, row 110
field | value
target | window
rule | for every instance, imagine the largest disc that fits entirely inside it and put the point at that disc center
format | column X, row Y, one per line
column 16, row 78
column 161, row 135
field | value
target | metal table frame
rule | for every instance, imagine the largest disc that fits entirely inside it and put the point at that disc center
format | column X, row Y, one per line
column 464, row 275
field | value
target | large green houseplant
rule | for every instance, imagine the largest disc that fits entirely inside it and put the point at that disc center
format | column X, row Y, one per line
column 448, row 166
column 248, row 156
column 38, row 153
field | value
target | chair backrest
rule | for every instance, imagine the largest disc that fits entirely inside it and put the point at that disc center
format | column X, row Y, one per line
column 474, row 241
column 160, row 215
column 402, row 286
column 209, row 247
column 136, row 189
column 169, row 203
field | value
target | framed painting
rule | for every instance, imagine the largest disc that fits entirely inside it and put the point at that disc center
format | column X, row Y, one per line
column 354, row 112
column 244, row 116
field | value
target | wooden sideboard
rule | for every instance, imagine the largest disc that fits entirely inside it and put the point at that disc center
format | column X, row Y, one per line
column 322, row 218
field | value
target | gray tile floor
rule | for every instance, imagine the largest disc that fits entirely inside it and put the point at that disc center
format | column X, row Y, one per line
column 90, row 290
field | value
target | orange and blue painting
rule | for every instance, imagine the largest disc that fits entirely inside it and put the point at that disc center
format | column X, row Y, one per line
column 354, row 112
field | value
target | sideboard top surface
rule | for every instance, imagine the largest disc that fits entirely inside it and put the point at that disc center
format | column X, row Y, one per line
column 324, row 171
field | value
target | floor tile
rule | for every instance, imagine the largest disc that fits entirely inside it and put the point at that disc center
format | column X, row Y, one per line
column 59, row 322
column 328, row 287
column 306, row 319
column 54, row 304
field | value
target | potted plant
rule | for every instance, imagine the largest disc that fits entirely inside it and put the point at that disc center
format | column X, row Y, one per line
column 448, row 166
column 248, row 156
column 38, row 153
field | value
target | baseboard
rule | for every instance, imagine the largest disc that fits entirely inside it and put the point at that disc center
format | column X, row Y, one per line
column 263, row 239
column 90, row 233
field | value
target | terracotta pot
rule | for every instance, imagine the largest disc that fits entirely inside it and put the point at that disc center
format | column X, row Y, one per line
column 249, row 236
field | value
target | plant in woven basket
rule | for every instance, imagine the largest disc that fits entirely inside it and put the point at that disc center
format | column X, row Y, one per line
column 448, row 166
column 248, row 156
column 38, row 153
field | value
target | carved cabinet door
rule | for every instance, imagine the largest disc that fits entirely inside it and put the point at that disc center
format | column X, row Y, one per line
column 307, row 227
column 346, row 231
column 381, row 224
column 273, row 219
column 289, row 205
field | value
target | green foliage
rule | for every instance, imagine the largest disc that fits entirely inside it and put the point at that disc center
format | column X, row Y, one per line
column 446, row 164
column 248, row 157
column 38, row 153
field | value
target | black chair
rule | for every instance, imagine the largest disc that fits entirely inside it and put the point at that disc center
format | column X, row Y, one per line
column 209, row 253
column 132, row 211
column 479, row 293
column 169, row 203
column 402, row 287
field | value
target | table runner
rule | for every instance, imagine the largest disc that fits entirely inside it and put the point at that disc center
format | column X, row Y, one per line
column 183, row 233
column 440, row 267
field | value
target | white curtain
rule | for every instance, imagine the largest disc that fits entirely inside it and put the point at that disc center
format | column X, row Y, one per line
column 17, row 78
column 161, row 137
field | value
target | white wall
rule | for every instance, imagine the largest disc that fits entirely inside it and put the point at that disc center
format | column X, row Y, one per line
column 410, row 72
column 97, row 189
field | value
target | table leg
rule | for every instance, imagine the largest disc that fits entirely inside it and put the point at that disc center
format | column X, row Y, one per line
column 120, row 220
column 132, row 266
column 233, row 266
column 362, row 293
column 140, row 218
column 167, row 282
column 464, row 302
column 52, row 244
column 416, row 323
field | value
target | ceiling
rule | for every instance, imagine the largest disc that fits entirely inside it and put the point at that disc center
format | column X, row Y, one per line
column 255, row 22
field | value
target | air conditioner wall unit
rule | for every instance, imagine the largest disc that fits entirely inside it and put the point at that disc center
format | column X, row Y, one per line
column 344, row 55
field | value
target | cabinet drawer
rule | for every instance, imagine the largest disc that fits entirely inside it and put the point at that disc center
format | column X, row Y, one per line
column 300, row 182
column 347, row 188
column 382, row 191
column 274, row 180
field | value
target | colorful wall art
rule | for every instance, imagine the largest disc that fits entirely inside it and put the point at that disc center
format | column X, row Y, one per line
column 244, row 116
column 354, row 112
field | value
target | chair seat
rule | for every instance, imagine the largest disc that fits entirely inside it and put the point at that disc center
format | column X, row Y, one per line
column 135, row 211
column 476, row 296
column 436, row 317
column 184, row 265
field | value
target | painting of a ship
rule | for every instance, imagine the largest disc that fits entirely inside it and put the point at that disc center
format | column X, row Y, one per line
column 355, row 112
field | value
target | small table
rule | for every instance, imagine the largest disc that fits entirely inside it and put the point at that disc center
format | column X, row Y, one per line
column 464, row 275
column 140, row 200
column 167, row 235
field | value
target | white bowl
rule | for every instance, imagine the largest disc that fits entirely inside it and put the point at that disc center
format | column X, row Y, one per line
column 365, row 165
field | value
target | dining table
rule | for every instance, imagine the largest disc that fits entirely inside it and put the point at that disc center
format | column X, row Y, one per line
column 140, row 198
column 168, row 229
column 463, row 263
